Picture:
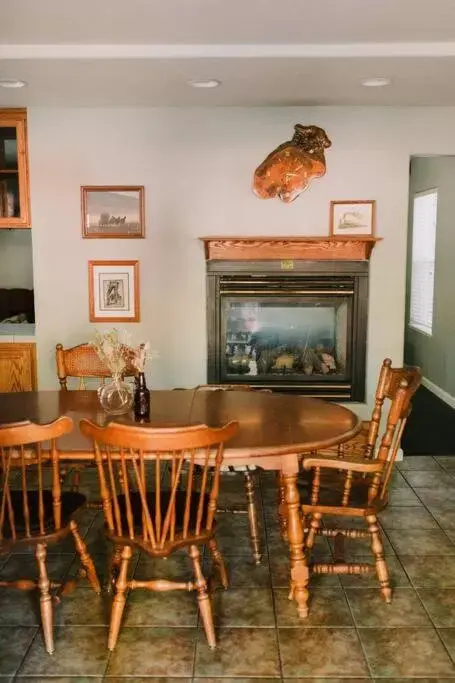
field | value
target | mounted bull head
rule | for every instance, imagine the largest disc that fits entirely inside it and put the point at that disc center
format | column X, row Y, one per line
column 290, row 168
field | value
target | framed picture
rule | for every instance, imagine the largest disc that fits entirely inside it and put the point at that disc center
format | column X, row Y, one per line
column 113, row 291
column 115, row 211
column 354, row 217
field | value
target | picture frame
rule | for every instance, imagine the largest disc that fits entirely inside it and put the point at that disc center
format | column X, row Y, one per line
column 353, row 218
column 113, row 211
column 113, row 291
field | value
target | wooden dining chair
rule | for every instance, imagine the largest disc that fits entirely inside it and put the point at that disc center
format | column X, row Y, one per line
column 82, row 363
column 364, row 444
column 251, row 508
column 155, row 518
column 35, row 514
column 356, row 487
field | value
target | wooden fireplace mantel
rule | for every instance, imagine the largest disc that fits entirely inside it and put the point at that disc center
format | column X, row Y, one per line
column 292, row 248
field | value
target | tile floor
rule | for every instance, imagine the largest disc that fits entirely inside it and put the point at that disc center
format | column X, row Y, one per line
column 350, row 634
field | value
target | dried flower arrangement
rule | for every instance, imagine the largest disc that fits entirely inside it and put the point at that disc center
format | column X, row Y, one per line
column 114, row 350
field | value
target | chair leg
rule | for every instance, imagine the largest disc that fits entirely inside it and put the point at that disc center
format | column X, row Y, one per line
column 114, row 566
column 218, row 561
column 118, row 604
column 205, row 607
column 252, row 517
column 378, row 552
column 47, row 618
column 86, row 560
column 282, row 508
column 315, row 525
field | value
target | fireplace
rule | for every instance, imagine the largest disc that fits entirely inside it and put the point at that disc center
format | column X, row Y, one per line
column 293, row 325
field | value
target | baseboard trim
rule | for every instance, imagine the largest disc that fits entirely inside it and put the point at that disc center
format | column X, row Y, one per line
column 440, row 393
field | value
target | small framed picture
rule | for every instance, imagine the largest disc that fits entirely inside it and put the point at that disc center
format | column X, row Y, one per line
column 113, row 291
column 112, row 211
column 356, row 217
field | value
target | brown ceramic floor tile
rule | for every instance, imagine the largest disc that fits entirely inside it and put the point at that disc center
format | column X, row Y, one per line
column 18, row 608
column 153, row 652
column 444, row 515
column 405, row 652
column 441, row 495
column 407, row 518
column 23, row 566
column 370, row 610
column 242, row 572
column 321, row 652
column 76, row 648
column 174, row 608
column 328, row 607
column 177, row 567
column 440, row 605
column 358, row 547
column 429, row 479
column 421, row 542
column 430, row 571
column 446, row 461
column 327, row 680
column 235, row 680
column 239, row 652
column 60, row 679
column 243, row 607
column 404, row 497
column 448, row 638
column 14, row 644
column 418, row 462
column 397, row 575
column 398, row 481
column 83, row 607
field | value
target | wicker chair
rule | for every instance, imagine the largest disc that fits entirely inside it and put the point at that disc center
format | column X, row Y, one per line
column 82, row 362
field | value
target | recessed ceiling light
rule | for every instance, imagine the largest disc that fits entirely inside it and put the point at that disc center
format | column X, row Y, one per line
column 376, row 82
column 11, row 83
column 207, row 83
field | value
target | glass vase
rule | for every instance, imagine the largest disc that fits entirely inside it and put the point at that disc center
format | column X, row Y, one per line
column 116, row 397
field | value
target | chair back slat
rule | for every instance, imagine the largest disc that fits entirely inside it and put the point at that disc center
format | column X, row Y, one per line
column 156, row 516
column 25, row 450
column 388, row 384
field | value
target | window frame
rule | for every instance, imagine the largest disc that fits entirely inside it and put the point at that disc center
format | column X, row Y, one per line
column 411, row 324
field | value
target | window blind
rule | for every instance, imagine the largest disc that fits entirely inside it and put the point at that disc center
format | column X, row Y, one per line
column 424, row 221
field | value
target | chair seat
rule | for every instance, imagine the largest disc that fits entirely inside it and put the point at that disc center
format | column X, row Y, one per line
column 180, row 502
column 70, row 503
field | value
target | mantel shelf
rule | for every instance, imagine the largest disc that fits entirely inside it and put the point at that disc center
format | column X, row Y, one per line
column 292, row 248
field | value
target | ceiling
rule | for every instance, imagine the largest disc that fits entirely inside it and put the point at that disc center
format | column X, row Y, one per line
column 292, row 52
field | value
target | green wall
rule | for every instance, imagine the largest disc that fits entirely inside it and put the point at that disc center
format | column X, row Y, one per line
column 435, row 354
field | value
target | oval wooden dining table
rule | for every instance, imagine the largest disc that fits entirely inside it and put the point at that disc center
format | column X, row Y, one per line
column 274, row 430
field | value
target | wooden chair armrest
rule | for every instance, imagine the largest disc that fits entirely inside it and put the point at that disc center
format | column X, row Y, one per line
column 360, row 465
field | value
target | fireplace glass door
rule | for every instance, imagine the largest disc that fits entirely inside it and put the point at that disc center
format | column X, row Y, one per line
column 293, row 338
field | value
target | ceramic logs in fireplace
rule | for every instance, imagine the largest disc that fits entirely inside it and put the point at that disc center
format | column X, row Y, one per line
column 300, row 330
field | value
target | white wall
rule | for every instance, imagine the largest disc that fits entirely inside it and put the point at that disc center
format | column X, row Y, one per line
column 197, row 165
column 16, row 268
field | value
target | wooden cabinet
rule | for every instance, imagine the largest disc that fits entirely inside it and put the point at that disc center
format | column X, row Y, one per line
column 14, row 181
column 17, row 367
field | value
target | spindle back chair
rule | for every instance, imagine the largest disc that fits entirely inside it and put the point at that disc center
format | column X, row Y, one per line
column 34, row 512
column 251, row 508
column 152, row 515
column 362, row 492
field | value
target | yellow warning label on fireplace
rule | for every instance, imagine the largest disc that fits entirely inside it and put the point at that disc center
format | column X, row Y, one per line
column 287, row 264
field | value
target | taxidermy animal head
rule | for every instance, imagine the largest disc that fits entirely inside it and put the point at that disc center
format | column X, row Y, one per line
column 290, row 168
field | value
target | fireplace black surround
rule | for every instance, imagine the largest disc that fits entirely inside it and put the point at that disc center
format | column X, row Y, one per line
column 290, row 326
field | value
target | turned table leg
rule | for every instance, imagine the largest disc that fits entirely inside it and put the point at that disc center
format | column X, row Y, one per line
column 282, row 507
column 299, row 566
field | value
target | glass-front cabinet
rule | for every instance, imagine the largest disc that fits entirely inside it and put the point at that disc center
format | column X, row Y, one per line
column 14, row 182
